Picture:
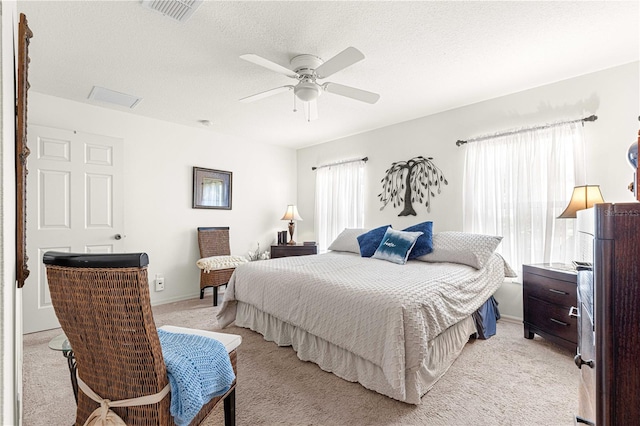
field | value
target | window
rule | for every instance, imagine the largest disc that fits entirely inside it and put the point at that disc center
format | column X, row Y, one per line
column 516, row 186
column 339, row 200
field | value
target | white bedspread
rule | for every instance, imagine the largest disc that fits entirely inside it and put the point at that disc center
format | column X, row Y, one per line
column 383, row 312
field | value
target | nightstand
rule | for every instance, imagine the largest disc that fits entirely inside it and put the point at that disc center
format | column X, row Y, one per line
column 293, row 250
column 549, row 292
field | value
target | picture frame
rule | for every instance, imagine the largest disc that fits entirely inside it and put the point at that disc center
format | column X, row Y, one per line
column 212, row 189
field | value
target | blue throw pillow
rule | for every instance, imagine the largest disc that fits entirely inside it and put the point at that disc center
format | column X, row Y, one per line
column 424, row 244
column 396, row 246
column 370, row 241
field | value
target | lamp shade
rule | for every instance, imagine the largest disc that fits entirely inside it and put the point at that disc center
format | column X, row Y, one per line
column 291, row 213
column 583, row 197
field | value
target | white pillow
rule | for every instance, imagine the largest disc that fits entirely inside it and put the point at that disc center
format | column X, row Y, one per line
column 461, row 247
column 348, row 240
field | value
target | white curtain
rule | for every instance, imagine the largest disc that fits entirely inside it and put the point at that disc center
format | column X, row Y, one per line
column 517, row 185
column 213, row 192
column 339, row 200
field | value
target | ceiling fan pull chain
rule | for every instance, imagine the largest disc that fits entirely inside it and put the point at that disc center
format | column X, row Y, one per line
column 294, row 103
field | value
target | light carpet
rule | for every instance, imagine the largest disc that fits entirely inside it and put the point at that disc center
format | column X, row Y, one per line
column 506, row 380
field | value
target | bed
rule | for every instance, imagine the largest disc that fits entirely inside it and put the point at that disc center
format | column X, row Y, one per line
column 393, row 328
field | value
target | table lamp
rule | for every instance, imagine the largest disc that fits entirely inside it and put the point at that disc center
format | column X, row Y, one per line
column 583, row 197
column 291, row 214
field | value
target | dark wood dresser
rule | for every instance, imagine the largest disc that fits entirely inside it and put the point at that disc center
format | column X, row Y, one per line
column 548, row 294
column 609, row 316
column 293, row 250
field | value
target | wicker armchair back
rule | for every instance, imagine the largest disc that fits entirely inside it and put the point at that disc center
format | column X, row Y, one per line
column 106, row 314
column 214, row 241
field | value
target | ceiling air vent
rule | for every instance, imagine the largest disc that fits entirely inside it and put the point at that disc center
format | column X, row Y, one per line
column 109, row 96
column 180, row 10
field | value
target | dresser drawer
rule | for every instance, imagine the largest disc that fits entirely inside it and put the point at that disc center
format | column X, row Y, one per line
column 553, row 319
column 550, row 290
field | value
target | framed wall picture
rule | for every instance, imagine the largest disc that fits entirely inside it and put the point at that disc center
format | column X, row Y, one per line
column 211, row 189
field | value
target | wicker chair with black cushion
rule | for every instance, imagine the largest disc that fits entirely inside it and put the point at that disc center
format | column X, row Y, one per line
column 102, row 303
column 214, row 241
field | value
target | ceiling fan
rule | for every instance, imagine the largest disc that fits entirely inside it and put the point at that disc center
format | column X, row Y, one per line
column 307, row 69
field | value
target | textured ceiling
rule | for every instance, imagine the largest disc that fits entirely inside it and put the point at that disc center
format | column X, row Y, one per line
column 421, row 57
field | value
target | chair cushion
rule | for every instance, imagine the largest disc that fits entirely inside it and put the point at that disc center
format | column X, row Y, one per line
column 215, row 263
column 230, row 341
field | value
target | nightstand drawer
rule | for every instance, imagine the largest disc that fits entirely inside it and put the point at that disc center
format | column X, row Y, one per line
column 553, row 319
column 550, row 290
column 293, row 250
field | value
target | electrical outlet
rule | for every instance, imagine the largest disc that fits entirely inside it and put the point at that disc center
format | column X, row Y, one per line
column 159, row 282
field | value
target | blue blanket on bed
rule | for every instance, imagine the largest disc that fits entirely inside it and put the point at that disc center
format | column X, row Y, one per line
column 199, row 369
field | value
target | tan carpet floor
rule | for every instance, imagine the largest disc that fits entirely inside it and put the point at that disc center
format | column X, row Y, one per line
column 506, row 380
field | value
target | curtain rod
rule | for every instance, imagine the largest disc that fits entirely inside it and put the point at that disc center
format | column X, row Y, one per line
column 527, row 129
column 365, row 159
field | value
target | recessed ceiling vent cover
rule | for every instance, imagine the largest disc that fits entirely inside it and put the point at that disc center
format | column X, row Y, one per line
column 180, row 10
column 109, row 96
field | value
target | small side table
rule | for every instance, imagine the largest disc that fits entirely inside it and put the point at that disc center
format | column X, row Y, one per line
column 549, row 298
column 61, row 343
column 293, row 250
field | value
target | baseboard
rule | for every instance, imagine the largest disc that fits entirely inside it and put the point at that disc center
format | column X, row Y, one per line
column 512, row 319
column 176, row 299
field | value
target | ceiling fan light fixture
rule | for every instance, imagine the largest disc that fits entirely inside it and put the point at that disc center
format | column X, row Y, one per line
column 307, row 91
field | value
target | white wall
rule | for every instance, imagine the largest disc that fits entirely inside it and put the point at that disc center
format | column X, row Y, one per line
column 10, row 352
column 158, row 161
column 613, row 95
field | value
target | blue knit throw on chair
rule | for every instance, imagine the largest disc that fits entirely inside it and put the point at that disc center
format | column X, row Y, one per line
column 198, row 368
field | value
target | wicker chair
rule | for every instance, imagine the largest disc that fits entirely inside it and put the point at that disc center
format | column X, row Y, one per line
column 102, row 303
column 214, row 241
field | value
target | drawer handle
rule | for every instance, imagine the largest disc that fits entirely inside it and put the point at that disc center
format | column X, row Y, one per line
column 553, row 290
column 573, row 312
column 558, row 321
column 580, row 362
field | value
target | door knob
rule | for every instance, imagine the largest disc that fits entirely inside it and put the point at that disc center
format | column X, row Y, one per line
column 117, row 237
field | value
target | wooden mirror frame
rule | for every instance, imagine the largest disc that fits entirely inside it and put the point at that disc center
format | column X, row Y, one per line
column 22, row 151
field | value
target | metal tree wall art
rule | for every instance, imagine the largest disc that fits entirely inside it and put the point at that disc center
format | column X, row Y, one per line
column 409, row 181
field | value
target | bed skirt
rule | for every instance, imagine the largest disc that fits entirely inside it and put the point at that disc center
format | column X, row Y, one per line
column 442, row 352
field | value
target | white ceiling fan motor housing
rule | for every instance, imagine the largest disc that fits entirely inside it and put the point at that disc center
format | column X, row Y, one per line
column 305, row 64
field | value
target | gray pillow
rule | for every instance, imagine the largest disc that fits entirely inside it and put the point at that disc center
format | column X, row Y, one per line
column 348, row 240
column 462, row 247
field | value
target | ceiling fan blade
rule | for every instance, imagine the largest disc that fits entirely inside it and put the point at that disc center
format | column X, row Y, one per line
column 259, row 60
column 311, row 110
column 351, row 92
column 347, row 57
column 266, row 94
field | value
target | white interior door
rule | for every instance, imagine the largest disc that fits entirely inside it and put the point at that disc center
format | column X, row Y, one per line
column 74, row 204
